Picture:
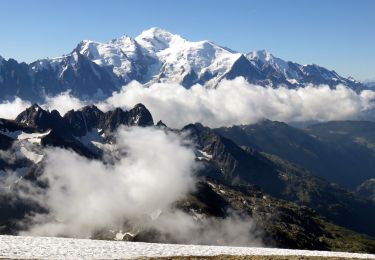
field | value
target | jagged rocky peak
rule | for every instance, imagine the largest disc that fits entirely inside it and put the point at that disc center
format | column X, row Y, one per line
column 113, row 119
column 137, row 116
column 84, row 119
column 79, row 122
column 37, row 117
column 91, row 113
column 89, row 117
column 194, row 127
column 140, row 116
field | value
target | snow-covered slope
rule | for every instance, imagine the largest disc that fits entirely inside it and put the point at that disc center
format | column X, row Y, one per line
column 186, row 62
column 294, row 73
column 160, row 56
column 279, row 68
column 123, row 55
column 22, row 247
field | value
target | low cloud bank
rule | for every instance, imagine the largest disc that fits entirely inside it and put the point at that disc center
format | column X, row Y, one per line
column 233, row 102
column 236, row 102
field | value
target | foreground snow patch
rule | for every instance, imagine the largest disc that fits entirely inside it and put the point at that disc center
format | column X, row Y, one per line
column 62, row 248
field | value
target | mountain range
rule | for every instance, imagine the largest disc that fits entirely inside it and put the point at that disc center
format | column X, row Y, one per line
column 93, row 70
column 338, row 151
column 293, row 203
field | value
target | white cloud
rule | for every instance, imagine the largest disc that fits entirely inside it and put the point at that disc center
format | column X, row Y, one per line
column 63, row 103
column 155, row 169
column 233, row 102
column 11, row 109
column 238, row 102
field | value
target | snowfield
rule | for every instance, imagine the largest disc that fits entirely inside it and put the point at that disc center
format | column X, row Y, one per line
column 24, row 247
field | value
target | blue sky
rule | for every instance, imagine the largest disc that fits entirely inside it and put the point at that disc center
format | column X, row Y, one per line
column 339, row 35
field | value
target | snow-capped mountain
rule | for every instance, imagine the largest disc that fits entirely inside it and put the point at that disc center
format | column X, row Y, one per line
column 296, row 75
column 159, row 56
column 95, row 70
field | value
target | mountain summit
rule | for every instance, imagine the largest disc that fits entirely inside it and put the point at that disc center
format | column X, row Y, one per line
column 94, row 69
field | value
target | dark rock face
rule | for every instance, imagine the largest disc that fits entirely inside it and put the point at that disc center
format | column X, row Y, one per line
column 83, row 120
column 55, row 139
column 235, row 164
column 243, row 67
column 78, row 123
column 137, row 116
column 83, row 77
column 113, row 119
column 12, row 126
column 75, row 72
column 37, row 117
column 5, row 142
column 140, row 116
column 15, row 80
